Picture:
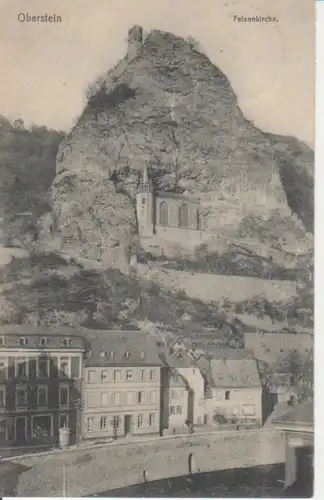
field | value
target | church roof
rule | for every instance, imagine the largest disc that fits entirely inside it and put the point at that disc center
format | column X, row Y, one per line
column 172, row 194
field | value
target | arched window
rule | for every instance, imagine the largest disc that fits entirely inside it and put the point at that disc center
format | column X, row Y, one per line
column 164, row 219
column 183, row 216
column 198, row 220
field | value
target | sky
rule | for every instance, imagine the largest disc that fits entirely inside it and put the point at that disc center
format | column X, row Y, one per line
column 45, row 68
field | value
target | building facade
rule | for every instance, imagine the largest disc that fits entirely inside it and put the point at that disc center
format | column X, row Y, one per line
column 40, row 385
column 184, row 364
column 122, row 386
column 235, row 392
column 298, row 426
column 175, row 396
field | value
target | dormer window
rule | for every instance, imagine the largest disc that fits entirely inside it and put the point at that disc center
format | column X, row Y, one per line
column 127, row 355
column 65, row 342
column 102, row 354
column 233, row 377
column 179, row 356
column 2, row 341
column 142, row 355
column 111, row 354
column 43, row 342
column 22, row 341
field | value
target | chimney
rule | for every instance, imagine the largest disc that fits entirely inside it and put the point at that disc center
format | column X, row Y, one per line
column 135, row 40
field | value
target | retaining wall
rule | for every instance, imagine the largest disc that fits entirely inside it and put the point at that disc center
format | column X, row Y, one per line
column 115, row 466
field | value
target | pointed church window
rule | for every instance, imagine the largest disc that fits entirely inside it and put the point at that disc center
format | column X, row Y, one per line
column 164, row 219
column 184, row 216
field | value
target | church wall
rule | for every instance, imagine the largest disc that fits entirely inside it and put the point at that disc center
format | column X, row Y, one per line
column 174, row 205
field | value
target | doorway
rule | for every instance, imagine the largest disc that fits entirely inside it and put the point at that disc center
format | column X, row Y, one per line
column 21, row 429
column 128, row 424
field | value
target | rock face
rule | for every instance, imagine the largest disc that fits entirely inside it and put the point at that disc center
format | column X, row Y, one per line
column 166, row 107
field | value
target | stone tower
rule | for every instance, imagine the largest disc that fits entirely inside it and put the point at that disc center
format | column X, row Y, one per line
column 145, row 205
column 135, row 40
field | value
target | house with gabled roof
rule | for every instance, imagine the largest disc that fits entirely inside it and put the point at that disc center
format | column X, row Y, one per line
column 184, row 364
column 122, row 385
column 235, row 392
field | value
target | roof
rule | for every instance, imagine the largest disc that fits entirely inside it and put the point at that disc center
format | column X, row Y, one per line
column 300, row 414
column 279, row 410
column 172, row 194
column 121, row 348
column 228, row 353
column 38, row 337
column 176, row 379
column 235, row 373
column 180, row 359
column 270, row 347
column 280, row 380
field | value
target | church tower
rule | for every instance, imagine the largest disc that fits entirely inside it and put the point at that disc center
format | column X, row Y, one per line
column 145, row 205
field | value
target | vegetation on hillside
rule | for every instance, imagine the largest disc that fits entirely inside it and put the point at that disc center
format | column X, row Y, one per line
column 52, row 291
column 27, row 170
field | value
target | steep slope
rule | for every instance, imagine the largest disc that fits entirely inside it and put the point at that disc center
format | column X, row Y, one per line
column 27, row 170
column 167, row 107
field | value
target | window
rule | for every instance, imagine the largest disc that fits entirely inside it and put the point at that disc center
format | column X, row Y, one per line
column 104, row 375
column 172, row 410
column 140, row 397
column 117, row 375
column 41, row 426
column 111, row 354
column 102, row 354
column 143, row 201
column 65, row 342
column 2, row 367
column 139, row 420
column 164, row 216
column 63, row 420
column 198, row 220
column 184, row 216
column 63, row 395
column 21, row 397
column 42, row 397
column 129, row 375
column 22, row 341
column 153, row 397
column 91, row 376
column 64, row 367
column 127, row 355
column 116, row 398
column 90, row 424
column 142, row 374
column 151, row 419
column 129, row 398
column 2, row 397
column 179, row 410
column 43, row 367
column 2, row 341
column 142, row 354
column 227, row 395
column 115, row 422
column 105, row 398
column 21, row 367
column 152, row 374
column 103, row 423
column 43, row 342
column 249, row 410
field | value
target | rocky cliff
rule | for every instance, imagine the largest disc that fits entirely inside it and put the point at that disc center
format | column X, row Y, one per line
column 168, row 107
